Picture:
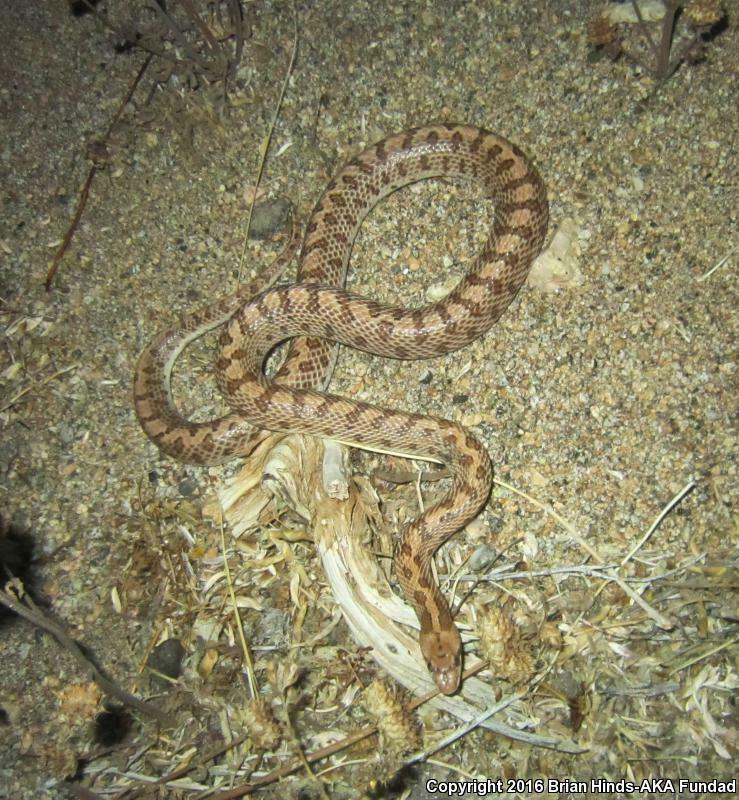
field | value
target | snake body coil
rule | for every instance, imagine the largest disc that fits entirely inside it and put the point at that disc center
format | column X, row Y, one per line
column 316, row 314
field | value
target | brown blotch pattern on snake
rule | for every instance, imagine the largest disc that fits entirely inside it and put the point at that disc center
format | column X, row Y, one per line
column 318, row 309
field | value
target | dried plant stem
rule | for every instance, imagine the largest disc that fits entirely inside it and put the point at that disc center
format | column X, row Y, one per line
column 662, row 50
column 237, row 19
column 647, row 690
column 84, row 194
column 694, row 660
column 67, row 240
column 663, row 53
column 552, row 513
column 465, row 729
column 713, row 269
column 264, row 147
column 663, row 67
column 502, row 574
column 659, row 619
column 599, row 571
column 653, row 527
column 16, row 397
column 31, row 612
column 237, row 618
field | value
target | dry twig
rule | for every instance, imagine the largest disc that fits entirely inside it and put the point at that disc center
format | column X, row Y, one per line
column 27, row 609
column 701, row 15
column 100, row 146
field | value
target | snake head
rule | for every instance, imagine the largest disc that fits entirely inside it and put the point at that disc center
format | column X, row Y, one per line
column 442, row 650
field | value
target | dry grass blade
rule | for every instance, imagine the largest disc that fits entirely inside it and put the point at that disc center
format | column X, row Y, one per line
column 254, row 692
column 576, row 536
column 653, row 527
column 465, row 729
column 713, row 269
column 16, row 397
column 660, row 619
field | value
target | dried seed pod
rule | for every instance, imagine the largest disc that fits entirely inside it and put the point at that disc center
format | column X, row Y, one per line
column 703, row 13
column 502, row 645
column 264, row 730
column 550, row 636
column 398, row 727
column 604, row 35
column 601, row 31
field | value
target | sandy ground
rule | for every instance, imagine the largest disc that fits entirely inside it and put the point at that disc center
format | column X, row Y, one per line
column 603, row 400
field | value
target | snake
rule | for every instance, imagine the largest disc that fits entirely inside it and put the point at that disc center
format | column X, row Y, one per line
column 315, row 314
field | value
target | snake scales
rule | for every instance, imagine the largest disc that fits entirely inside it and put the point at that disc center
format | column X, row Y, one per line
column 316, row 314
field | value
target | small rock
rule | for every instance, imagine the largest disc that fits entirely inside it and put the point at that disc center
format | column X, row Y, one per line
column 482, row 558
column 270, row 217
column 187, row 487
column 166, row 658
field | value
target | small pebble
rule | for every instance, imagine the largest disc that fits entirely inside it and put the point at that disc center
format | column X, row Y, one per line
column 269, row 218
column 166, row 658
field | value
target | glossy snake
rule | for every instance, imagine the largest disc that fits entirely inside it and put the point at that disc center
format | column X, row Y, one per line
column 316, row 313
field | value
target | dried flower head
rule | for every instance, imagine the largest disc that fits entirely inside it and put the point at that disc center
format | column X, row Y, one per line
column 264, row 730
column 703, row 13
column 502, row 645
column 398, row 727
column 604, row 35
column 601, row 30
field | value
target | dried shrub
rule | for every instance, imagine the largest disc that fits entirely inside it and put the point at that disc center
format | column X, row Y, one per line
column 194, row 49
column 685, row 29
